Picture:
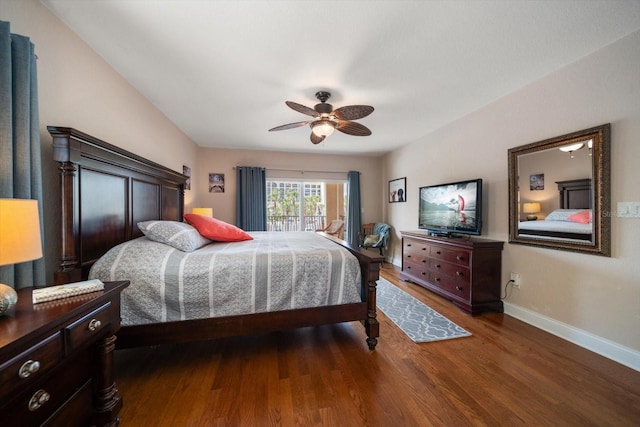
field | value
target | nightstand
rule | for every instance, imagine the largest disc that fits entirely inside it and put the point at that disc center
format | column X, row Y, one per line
column 56, row 360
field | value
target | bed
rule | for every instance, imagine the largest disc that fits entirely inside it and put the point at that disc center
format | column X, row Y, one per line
column 572, row 221
column 106, row 191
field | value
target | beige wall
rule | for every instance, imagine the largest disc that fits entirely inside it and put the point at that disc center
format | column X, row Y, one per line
column 78, row 89
column 224, row 161
column 599, row 296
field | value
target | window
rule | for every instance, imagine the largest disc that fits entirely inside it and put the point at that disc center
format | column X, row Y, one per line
column 304, row 205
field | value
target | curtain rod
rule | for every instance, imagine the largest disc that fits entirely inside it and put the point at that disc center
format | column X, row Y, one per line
column 300, row 171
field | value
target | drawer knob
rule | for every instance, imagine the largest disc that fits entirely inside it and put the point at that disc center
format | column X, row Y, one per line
column 29, row 367
column 408, row 256
column 94, row 324
column 437, row 279
column 438, row 252
column 459, row 273
column 437, row 265
column 459, row 257
column 458, row 288
column 38, row 399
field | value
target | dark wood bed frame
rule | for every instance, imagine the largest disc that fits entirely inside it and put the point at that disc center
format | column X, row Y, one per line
column 573, row 194
column 106, row 191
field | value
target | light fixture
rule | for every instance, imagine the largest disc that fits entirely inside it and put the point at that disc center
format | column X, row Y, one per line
column 571, row 148
column 531, row 208
column 203, row 211
column 20, row 240
column 323, row 127
column 590, row 145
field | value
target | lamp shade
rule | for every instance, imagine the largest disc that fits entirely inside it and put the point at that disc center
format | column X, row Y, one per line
column 20, row 239
column 323, row 127
column 532, row 207
column 203, row 211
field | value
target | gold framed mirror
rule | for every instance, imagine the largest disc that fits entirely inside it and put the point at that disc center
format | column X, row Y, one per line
column 559, row 192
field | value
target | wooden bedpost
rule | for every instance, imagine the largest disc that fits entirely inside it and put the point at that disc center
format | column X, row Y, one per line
column 370, row 268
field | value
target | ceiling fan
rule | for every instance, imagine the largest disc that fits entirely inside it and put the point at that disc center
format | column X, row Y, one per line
column 327, row 119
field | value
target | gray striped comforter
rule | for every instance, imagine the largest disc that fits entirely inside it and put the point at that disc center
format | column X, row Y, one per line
column 275, row 271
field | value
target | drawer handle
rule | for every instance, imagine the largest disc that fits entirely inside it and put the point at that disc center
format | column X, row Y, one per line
column 459, row 273
column 408, row 256
column 38, row 399
column 94, row 324
column 29, row 367
column 408, row 267
column 423, row 273
column 438, row 252
column 458, row 288
column 437, row 265
column 408, row 244
column 459, row 257
column 424, row 249
column 437, row 279
column 424, row 260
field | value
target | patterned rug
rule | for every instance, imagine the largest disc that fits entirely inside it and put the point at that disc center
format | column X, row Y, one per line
column 420, row 322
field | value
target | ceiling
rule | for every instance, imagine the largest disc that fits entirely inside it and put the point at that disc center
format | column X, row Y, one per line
column 221, row 70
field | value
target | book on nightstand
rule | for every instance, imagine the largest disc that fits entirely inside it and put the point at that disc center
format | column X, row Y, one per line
column 67, row 290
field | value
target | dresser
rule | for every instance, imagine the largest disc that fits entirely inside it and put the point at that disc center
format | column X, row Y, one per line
column 56, row 360
column 465, row 270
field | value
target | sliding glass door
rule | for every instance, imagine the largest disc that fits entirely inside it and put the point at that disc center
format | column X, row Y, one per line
column 304, row 205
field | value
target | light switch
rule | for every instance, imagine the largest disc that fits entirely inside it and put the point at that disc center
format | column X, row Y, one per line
column 628, row 209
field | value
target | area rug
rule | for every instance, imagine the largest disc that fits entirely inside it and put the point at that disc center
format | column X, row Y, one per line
column 420, row 322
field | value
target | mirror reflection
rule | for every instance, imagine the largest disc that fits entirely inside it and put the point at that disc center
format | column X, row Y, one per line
column 557, row 196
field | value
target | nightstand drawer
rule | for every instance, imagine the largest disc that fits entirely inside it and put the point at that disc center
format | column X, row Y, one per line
column 87, row 327
column 30, row 365
column 43, row 398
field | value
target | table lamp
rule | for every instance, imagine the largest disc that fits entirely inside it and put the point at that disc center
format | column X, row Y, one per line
column 531, row 208
column 19, row 240
column 203, row 211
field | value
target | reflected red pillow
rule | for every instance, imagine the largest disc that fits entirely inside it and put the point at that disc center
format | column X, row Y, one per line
column 583, row 217
column 217, row 230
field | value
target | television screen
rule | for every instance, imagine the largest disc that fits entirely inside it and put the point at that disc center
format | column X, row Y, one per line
column 451, row 208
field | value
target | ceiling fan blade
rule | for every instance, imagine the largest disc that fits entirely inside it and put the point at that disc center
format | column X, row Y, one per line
column 353, row 112
column 302, row 109
column 316, row 139
column 290, row 126
column 352, row 128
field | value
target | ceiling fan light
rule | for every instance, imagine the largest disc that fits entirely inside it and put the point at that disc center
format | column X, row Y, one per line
column 323, row 128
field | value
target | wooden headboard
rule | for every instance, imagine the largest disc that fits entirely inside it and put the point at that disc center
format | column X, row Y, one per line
column 125, row 189
column 575, row 194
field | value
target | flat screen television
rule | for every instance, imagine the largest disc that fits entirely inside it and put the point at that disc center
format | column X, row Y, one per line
column 452, row 208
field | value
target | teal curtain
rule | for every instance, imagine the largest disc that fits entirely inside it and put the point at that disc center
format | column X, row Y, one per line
column 20, row 161
column 354, row 220
column 251, row 203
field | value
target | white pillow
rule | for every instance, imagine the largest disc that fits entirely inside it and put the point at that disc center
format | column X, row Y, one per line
column 179, row 235
column 562, row 214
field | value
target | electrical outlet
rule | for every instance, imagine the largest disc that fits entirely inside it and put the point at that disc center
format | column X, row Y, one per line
column 515, row 280
column 628, row 209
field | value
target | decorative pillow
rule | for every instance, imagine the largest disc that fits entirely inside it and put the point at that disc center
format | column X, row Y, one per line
column 371, row 239
column 179, row 235
column 561, row 214
column 583, row 217
column 217, row 230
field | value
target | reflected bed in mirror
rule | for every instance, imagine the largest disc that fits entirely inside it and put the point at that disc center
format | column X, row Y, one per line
column 559, row 192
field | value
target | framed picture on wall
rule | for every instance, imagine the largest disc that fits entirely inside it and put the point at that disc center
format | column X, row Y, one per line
column 536, row 182
column 397, row 190
column 186, row 171
column 216, row 183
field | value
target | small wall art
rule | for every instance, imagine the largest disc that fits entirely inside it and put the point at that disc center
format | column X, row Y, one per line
column 397, row 190
column 216, row 183
column 186, row 171
column 536, row 182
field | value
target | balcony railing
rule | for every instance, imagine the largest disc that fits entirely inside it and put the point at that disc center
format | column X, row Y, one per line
column 293, row 223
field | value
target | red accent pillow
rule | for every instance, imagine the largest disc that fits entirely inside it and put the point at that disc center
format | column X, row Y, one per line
column 217, row 230
column 583, row 217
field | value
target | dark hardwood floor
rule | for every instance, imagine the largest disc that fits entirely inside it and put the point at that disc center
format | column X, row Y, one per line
column 506, row 374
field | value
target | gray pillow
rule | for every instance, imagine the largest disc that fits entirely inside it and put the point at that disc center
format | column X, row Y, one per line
column 179, row 235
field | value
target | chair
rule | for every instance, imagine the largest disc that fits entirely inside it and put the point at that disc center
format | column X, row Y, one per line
column 334, row 228
column 375, row 235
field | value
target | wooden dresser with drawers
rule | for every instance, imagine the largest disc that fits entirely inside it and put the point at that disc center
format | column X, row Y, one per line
column 465, row 270
column 56, row 360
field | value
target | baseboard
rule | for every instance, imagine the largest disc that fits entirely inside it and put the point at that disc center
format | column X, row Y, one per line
column 609, row 349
